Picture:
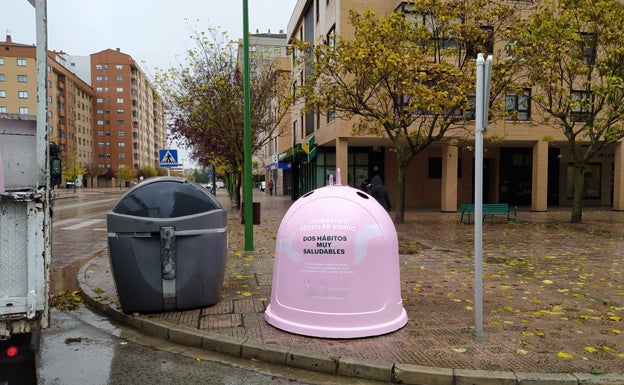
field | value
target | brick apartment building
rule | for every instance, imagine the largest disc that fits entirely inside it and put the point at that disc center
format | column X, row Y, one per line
column 521, row 169
column 102, row 111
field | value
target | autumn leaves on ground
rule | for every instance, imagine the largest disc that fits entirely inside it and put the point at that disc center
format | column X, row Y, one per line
column 553, row 293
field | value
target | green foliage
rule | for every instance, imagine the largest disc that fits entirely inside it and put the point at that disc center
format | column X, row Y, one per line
column 572, row 54
column 404, row 76
column 205, row 95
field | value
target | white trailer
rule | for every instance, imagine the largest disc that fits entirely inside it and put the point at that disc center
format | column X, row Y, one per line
column 25, row 227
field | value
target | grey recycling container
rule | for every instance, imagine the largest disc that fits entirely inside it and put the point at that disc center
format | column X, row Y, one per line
column 167, row 242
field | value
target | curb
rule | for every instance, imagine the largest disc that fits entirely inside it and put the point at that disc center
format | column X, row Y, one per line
column 316, row 362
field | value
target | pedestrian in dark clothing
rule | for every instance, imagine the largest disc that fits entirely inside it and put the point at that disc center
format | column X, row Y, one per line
column 379, row 192
column 270, row 186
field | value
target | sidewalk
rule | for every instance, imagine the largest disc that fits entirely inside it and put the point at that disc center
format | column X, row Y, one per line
column 553, row 303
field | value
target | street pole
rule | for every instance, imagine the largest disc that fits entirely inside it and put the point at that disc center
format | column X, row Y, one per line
column 484, row 70
column 247, row 187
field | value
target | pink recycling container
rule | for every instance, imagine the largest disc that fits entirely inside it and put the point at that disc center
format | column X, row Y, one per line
column 336, row 271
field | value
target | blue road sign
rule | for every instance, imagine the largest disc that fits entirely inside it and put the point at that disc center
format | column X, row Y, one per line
column 168, row 158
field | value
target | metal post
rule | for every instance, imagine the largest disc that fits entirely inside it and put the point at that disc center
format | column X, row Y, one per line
column 481, row 117
column 247, row 187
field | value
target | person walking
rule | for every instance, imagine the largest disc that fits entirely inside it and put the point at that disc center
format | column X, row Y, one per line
column 378, row 191
column 270, row 186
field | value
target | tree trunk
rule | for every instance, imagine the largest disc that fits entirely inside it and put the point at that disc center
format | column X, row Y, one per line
column 577, row 201
column 399, row 215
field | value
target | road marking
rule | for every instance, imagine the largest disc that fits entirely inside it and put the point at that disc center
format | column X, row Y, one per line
column 83, row 224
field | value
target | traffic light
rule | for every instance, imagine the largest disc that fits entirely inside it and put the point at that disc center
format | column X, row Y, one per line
column 55, row 165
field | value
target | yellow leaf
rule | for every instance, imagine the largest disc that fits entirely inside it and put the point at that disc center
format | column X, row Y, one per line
column 527, row 334
column 547, row 282
column 246, row 294
column 615, row 318
column 564, row 355
column 616, row 331
column 459, row 350
column 606, row 348
column 590, row 349
column 522, row 351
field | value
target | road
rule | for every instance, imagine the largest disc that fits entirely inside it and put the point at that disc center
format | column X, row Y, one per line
column 82, row 347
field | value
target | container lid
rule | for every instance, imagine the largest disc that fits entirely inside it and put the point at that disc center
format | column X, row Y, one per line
column 166, row 197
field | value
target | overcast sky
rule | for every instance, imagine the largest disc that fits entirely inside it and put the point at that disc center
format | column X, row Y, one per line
column 154, row 32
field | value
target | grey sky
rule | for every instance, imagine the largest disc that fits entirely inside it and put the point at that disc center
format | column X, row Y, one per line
column 154, row 32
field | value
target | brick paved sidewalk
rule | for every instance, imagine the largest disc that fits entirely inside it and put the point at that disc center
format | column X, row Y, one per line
column 553, row 293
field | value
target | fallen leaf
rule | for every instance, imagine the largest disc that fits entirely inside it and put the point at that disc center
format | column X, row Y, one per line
column 564, row 355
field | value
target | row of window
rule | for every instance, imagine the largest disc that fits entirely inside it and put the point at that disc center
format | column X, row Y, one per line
column 21, row 62
column 99, row 78
column 105, row 89
column 22, row 110
column 20, row 94
column 20, row 78
column 105, row 66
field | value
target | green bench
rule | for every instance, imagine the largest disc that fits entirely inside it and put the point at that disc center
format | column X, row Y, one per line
column 489, row 209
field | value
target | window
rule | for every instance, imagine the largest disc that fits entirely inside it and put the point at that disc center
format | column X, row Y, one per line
column 21, row 62
column 331, row 115
column 1, row 77
column 121, row 134
column 2, row 94
column 22, row 94
column 100, row 133
column 122, row 156
column 518, row 107
column 118, row 67
column 100, row 144
column 22, row 78
column 435, row 168
column 23, row 110
column 120, row 100
column 121, row 144
column 119, row 78
column 120, row 122
column 119, row 89
column 331, row 37
column 591, row 185
column 580, row 105
column 587, row 48
column 1, row 61
column 100, row 122
column 483, row 42
column 98, row 89
column 98, row 78
column 3, row 110
column 98, row 66
column 470, row 113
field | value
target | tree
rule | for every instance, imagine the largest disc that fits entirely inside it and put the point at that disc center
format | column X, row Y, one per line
column 572, row 52
column 406, row 76
column 206, row 99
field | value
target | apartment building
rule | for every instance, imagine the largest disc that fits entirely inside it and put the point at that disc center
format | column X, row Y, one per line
column 69, row 100
column 520, row 169
column 272, row 49
column 129, row 115
column 70, row 115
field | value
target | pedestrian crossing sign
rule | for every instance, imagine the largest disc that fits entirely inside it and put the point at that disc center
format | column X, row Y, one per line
column 168, row 158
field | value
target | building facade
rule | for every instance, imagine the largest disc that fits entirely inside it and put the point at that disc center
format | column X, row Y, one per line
column 521, row 169
column 113, row 119
column 129, row 115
